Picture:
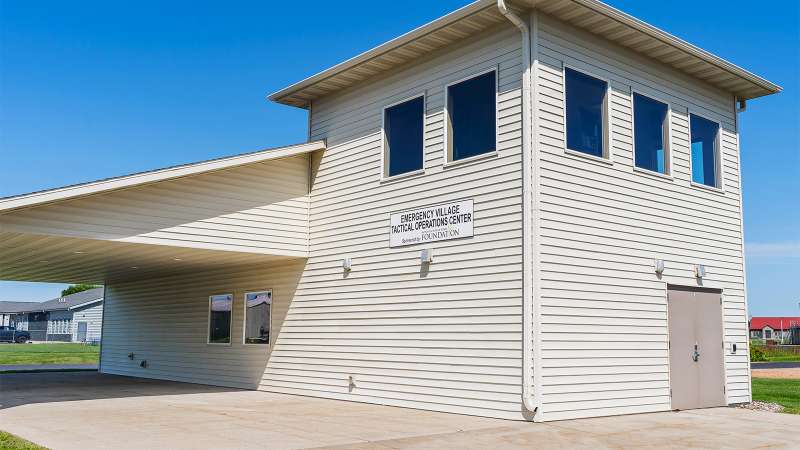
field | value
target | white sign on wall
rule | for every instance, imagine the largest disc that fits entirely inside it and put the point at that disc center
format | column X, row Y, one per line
column 431, row 224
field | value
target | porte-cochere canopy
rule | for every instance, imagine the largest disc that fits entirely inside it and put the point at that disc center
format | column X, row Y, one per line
column 239, row 210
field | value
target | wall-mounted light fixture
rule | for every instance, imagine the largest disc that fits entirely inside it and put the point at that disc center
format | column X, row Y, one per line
column 699, row 271
column 426, row 256
column 658, row 265
column 347, row 264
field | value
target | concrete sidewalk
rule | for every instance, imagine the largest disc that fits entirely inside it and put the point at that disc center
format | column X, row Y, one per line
column 87, row 410
column 43, row 367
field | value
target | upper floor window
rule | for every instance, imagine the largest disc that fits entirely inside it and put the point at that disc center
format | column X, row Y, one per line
column 471, row 117
column 651, row 134
column 705, row 153
column 403, row 137
column 586, row 103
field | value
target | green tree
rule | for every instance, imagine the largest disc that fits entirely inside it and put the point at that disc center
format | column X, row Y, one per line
column 75, row 288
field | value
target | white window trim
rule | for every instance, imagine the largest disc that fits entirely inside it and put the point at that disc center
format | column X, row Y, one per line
column 244, row 317
column 384, row 161
column 448, row 154
column 607, row 136
column 719, row 172
column 667, row 140
column 208, row 322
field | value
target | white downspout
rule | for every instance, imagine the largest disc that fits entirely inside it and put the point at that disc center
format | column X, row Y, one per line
column 529, row 400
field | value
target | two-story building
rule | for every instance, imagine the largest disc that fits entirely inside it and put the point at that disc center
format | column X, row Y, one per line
column 522, row 209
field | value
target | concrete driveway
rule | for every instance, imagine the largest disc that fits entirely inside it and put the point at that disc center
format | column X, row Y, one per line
column 85, row 410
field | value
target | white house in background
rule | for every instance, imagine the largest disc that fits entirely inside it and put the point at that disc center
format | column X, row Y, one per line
column 519, row 210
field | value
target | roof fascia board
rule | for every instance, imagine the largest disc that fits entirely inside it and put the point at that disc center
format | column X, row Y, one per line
column 88, row 302
column 667, row 38
column 126, row 181
column 411, row 36
column 593, row 5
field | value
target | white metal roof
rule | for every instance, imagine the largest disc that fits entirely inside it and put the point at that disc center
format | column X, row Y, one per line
column 126, row 181
column 592, row 15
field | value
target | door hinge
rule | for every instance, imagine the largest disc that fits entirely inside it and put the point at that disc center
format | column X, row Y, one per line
column 670, row 392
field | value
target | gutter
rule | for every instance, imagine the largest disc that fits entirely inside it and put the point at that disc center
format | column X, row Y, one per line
column 530, row 397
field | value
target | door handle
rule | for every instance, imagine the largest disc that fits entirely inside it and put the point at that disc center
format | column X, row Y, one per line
column 696, row 354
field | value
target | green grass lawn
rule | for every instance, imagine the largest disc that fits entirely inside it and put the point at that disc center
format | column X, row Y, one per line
column 49, row 354
column 762, row 353
column 779, row 358
column 10, row 442
column 778, row 390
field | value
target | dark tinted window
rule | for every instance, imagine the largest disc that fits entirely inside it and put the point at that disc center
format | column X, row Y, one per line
column 219, row 320
column 586, row 98
column 403, row 127
column 472, row 110
column 650, row 132
column 704, row 150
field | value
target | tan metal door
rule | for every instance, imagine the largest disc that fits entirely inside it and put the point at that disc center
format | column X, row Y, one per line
column 696, row 366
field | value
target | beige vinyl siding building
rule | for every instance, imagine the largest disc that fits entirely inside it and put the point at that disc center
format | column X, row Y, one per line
column 448, row 338
column 553, row 303
column 603, row 322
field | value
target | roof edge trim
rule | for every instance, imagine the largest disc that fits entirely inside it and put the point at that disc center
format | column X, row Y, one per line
column 87, row 302
column 292, row 94
column 110, row 184
column 675, row 41
column 412, row 35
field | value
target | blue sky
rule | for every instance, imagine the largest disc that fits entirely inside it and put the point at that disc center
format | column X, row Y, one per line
column 94, row 89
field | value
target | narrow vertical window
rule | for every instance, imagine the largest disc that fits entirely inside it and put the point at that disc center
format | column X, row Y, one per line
column 586, row 113
column 471, row 117
column 257, row 310
column 403, row 137
column 651, row 134
column 705, row 154
column 219, row 318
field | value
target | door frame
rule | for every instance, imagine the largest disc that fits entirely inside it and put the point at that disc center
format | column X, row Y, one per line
column 708, row 290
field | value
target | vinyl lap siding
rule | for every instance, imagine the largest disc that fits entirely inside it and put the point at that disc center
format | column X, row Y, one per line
column 165, row 321
column 260, row 208
column 93, row 316
column 603, row 310
column 444, row 339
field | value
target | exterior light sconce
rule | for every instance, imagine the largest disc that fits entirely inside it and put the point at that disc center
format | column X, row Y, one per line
column 426, row 256
column 699, row 271
column 658, row 265
column 347, row 264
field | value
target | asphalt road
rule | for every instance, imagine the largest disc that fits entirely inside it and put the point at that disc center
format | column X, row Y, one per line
column 776, row 365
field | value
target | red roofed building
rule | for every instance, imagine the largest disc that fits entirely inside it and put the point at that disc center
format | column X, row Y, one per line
column 774, row 328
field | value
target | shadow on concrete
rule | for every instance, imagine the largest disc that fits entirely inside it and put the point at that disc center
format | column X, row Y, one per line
column 18, row 389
